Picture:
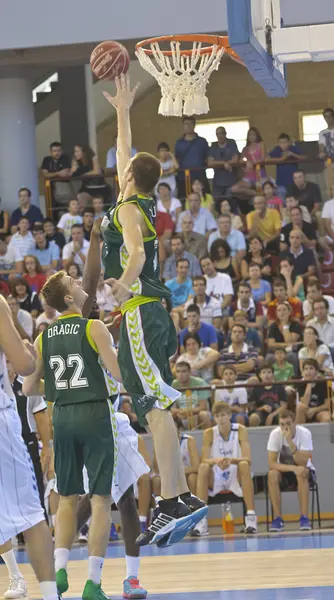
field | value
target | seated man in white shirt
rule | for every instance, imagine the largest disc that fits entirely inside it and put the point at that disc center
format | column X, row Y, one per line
column 218, row 285
column 210, row 308
column 289, row 457
column 313, row 294
column 76, row 250
column 226, row 465
column 204, row 223
column 323, row 323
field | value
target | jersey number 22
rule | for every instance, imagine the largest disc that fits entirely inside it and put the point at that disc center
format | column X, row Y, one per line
column 58, row 365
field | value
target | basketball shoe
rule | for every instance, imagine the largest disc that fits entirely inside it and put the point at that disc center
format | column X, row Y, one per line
column 132, row 588
column 93, row 591
column 201, row 529
column 17, row 588
column 61, row 581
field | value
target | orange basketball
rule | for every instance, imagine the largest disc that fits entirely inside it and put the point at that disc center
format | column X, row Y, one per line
column 109, row 60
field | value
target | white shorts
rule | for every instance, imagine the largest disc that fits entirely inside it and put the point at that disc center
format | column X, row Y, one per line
column 130, row 464
column 20, row 508
column 224, row 481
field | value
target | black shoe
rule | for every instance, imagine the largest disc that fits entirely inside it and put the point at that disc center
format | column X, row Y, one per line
column 192, row 502
column 163, row 521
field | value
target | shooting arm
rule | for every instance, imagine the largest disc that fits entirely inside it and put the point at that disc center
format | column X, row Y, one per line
column 92, row 268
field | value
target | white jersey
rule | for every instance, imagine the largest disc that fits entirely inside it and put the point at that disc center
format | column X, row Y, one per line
column 7, row 397
column 184, row 450
column 226, row 479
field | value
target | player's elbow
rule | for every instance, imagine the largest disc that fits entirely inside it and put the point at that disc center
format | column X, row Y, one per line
column 138, row 253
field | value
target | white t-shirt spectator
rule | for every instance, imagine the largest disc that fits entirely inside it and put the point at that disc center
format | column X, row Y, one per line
column 206, row 372
column 175, row 203
column 170, row 179
column 26, row 321
column 105, row 298
column 209, row 310
column 9, row 260
column 307, row 307
column 326, row 138
column 44, row 319
column 328, row 212
column 321, row 351
column 68, row 249
column 219, row 286
column 203, row 222
column 235, row 397
column 278, row 443
column 66, row 222
column 24, row 244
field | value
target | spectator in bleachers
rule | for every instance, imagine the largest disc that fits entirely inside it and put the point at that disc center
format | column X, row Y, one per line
column 169, row 166
column 201, row 359
column 281, row 295
column 191, row 152
column 235, row 397
column 223, row 159
column 285, row 332
column 327, row 217
column 218, row 285
column 326, row 136
column 210, row 308
column 261, row 289
column 290, row 203
column 88, row 222
column 307, row 193
column 303, row 258
column 10, row 260
column 47, row 316
column 314, row 348
column 77, row 249
column 85, row 162
column 265, row 222
column 273, row 201
column 195, row 243
column 33, row 273
column 290, row 450
column 57, row 166
column 294, row 283
column 67, row 220
column 178, row 251
column 234, row 237
column 252, row 335
column 181, row 287
column 241, row 356
column 204, row 222
column 74, row 271
column 257, row 254
column 253, row 153
column 314, row 293
column 285, row 151
column 206, row 332
column 22, row 320
column 111, row 160
column 22, row 240
column 322, row 322
column 98, row 208
column 26, row 209
column 220, row 256
column 46, row 252
column 309, row 237
column 206, row 199
column 52, row 234
column 268, row 400
column 166, row 203
column 226, row 465
column 283, row 370
column 225, row 209
column 314, row 403
column 27, row 299
column 4, row 221
column 245, row 302
column 192, row 405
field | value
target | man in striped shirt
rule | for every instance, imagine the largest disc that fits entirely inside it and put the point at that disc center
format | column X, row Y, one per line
column 243, row 357
column 22, row 240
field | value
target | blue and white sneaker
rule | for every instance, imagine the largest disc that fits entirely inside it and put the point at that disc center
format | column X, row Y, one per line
column 304, row 523
column 132, row 589
column 277, row 524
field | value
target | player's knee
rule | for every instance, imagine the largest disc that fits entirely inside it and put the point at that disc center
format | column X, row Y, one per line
column 243, row 467
column 302, row 474
column 69, row 501
column 273, row 477
column 100, row 503
column 204, row 470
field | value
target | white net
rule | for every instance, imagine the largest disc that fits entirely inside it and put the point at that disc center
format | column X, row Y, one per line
column 182, row 78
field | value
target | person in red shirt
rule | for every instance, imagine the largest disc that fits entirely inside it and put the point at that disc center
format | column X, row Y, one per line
column 164, row 226
column 281, row 295
column 32, row 272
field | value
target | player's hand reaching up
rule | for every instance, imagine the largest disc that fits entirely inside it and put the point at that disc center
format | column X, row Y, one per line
column 124, row 95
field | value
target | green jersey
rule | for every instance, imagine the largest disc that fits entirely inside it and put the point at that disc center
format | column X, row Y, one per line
column 115, row 255
column 73, row 371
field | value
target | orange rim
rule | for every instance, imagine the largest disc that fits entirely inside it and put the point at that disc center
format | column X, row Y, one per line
column 213, row 40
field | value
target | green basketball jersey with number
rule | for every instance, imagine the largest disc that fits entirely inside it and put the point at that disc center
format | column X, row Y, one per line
column 73, row 371
column 115, row 255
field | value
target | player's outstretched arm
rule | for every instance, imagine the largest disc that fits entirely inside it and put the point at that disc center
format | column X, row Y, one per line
column 103, row 342
column 92, row 268
column 11, row 343
column 122, row 102
column 33, row 384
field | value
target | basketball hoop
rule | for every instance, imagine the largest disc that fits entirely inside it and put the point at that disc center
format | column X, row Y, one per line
column 183, row 73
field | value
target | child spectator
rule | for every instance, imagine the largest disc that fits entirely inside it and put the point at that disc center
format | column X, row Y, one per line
column 28, row 300
column 267, row 401
column 73, row 270
column 33, row 273
column 254, row 152
column 206, row 199
column 72, row 217
column 261, row 289
column 283, row 370
column 236, row 398
column 273, row 201
column 181, row 287
column 314, row 401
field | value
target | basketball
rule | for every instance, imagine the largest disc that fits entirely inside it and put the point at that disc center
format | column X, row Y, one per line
column 109, row 60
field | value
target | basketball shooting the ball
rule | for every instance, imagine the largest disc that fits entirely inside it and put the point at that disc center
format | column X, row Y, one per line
column 109, row 60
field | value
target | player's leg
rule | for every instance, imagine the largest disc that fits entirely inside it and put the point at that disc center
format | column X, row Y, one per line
column 144, row 497
column 205, row 481
column 131, row 530
column 156, row 485
column 246, row 482
column 17, row 585
column 192, row 482
column 303, row 498
column 274, row 481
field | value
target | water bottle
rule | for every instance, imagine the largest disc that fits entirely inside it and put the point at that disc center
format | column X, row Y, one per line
column 223, row 518
column 229, row 521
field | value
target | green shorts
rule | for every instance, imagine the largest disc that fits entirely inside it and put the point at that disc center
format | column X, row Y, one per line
column 84, row 435
column 147, row 341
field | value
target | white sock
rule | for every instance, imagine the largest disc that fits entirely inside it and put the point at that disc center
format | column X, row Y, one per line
column 11, row 564
column 95, row 564
column 53, row 520
column 142, row 519
column 61, row 558
column 132, row 566
column 251, row 512
column 49, row 590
